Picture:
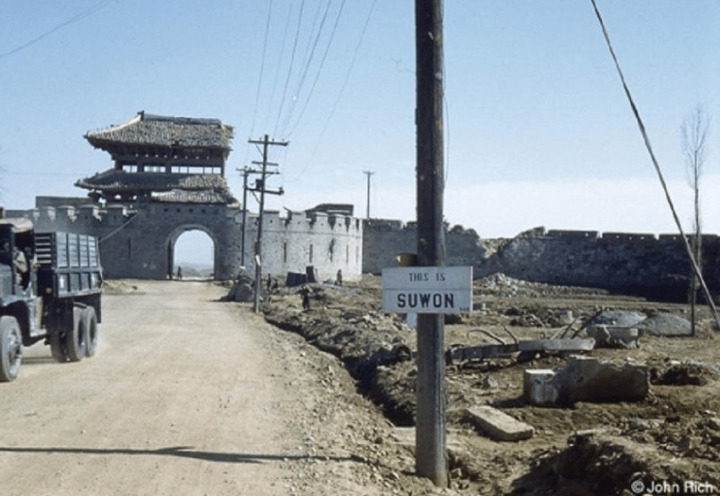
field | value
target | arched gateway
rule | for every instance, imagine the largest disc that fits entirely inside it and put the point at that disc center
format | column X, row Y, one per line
column 169, row 177
column 172, row 242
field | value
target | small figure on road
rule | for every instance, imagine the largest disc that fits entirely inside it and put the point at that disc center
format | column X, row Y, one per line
column 179, row 272
column 338, row 278
column 305, row 293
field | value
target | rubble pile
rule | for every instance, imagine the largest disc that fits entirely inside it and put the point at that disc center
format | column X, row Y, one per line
column 599, row 440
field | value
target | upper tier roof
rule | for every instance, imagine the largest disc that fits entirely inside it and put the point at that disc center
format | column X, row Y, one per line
column 163, row 131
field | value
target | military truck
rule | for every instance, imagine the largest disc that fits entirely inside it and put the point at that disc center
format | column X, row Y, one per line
column 50, row 290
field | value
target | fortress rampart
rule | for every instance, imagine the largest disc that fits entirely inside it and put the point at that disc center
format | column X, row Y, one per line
column 630, row 263
column 139, row 242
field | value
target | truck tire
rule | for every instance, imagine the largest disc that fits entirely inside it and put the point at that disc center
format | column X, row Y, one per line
column 91, row 327
column 76, row 338
column 10, row 348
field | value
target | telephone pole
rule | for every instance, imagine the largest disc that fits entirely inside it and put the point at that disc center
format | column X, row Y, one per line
column 260, row 187
column 246, row 171
column 368, row 174
column 430, row 450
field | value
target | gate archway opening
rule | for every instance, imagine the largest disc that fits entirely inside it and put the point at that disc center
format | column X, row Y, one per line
column 192, row 254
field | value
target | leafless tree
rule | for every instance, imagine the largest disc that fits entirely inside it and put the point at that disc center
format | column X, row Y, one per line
column 694, row 131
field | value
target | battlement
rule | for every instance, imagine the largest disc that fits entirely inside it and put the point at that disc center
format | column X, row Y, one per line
column 82, row 219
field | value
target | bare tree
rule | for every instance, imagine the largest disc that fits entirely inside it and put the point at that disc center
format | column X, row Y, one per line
column 695, row 130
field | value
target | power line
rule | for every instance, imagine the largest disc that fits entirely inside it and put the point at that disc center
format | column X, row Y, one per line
column 312, row 45
column 77, row 17
column 290, row 68
column 356, row 51
column 279, row 65
column 648, row 146
column 262, row 67
column 319, row 71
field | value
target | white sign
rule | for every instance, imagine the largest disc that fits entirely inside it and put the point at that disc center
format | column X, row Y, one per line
column 427, row 289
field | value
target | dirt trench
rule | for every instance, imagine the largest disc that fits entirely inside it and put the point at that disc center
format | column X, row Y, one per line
column 671, row 436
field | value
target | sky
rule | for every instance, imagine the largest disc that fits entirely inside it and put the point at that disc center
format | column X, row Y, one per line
column 538, row 131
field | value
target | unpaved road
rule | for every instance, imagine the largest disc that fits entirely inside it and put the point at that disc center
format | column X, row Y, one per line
column 188, row 395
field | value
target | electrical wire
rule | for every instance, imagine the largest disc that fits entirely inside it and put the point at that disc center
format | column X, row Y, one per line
column 123, row 226
column 279, row 64
column 262, row 68
column 308, row 62
column 290, row 68
column 319, row 71
column 77, row 17
column 324, row 129
column 648, row 146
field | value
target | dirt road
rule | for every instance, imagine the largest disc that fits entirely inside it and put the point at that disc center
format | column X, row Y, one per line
column 188, row 395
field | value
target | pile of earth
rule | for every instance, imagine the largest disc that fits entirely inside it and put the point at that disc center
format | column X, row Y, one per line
column 610, row 448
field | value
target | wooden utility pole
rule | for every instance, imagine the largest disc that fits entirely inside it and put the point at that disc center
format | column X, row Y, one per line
column 246, row 171
column 260, row 187
column 368, row 174
column 431, row 458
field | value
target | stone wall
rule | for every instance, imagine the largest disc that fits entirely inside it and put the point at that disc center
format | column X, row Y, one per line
column 384, row 240
column 139, row 242
column 641, row 264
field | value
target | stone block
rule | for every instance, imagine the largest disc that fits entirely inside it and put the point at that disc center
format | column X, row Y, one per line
column 499, row 425
column 614, row 336
column 539, row 388
column 586, row 379
column 589, row 379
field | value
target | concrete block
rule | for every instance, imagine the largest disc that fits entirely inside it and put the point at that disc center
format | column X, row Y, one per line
column 498, row 425
column 539, row 387
column 589, row 379
column 613, row 336
column 586, row 379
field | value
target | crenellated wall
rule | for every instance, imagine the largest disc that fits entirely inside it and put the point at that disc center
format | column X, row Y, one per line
column 642, row 264
column 139, row 242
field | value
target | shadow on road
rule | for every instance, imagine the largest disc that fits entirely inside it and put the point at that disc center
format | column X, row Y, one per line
column 185, row 452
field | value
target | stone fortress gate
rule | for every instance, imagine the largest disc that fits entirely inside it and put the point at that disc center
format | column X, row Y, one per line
column 168, row 178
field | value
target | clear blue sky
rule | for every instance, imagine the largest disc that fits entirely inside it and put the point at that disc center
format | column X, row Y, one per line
column 538, row 128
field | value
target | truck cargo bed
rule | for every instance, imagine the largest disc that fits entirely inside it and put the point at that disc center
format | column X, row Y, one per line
column 69, row 264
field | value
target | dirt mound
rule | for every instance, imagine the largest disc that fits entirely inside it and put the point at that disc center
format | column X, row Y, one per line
column 638, row 441
column 605, row 462
column 689, row 373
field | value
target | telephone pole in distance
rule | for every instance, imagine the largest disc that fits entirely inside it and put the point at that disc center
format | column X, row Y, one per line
column 260, row 187
column 368, row 174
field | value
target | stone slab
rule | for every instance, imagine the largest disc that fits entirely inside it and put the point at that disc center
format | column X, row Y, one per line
column 499, row 425
column 557, row 345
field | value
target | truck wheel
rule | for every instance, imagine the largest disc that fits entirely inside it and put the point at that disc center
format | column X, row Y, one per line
column 10, row 348
column 76, row 338
column 91, row 328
